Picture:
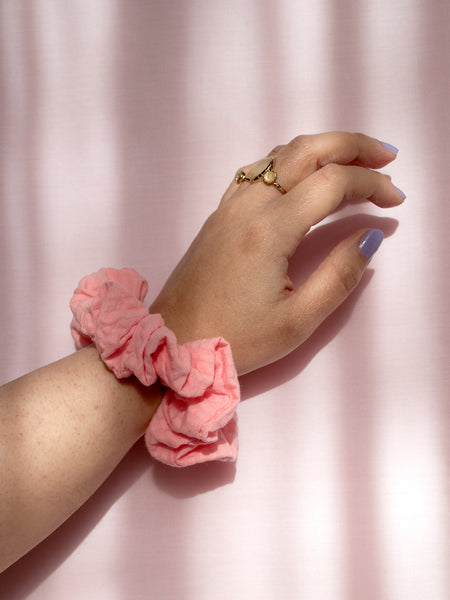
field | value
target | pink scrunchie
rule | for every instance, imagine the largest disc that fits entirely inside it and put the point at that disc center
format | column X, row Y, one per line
column 196, row 420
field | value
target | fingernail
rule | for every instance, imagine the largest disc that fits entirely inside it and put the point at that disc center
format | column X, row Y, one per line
column 370, row 243
column 402, row 194
column 390, row 147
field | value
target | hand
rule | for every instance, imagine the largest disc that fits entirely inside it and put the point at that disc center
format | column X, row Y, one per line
column 233, row 281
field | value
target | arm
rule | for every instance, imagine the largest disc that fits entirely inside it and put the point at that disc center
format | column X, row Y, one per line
column 64, row 428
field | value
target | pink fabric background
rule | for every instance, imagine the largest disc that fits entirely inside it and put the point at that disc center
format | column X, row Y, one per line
column 122, row 121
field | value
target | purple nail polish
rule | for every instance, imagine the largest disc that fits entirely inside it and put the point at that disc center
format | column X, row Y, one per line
column 390, row 147
column 370, row 243
column 402, row 194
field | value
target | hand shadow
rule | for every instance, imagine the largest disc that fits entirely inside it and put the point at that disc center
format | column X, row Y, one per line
column 316, row 246
column 17, row 582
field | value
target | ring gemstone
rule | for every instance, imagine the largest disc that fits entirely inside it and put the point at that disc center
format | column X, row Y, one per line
column 269, row 177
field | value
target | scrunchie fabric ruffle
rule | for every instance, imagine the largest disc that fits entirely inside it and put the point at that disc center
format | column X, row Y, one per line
column 196, row 420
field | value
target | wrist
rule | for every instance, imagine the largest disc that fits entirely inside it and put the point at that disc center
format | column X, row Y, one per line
column 196, row 420
column 130, row 405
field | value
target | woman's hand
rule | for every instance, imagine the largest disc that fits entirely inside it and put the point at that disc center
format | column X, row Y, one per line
column 233, row 281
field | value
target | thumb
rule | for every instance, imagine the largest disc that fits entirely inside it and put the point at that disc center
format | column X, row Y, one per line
column 333, row 281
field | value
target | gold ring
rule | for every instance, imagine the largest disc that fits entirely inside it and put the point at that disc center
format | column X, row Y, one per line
column 263, row 170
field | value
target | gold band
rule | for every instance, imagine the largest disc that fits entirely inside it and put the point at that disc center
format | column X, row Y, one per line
column 263, row 170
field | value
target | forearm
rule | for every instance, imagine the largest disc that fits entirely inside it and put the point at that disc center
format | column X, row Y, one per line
column 63, row 429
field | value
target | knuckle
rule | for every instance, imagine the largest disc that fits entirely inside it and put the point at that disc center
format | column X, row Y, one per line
column 358, row 137
column 348, row 276
column 247, row 225
column 216, row 220
column 293, row 325
column 332, row 173
column 220, row 224
column 227, row 214
column 275, row 150
column 302, row 144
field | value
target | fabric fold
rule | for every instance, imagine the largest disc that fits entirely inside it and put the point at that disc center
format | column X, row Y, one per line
column 196, row 420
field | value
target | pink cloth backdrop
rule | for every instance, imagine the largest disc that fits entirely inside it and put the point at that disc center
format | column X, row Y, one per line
column 121, row 124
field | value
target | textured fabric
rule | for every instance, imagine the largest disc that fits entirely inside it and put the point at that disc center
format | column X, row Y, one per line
column 196, row 420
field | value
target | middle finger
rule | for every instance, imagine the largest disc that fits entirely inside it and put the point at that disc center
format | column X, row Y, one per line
column 306, row 154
